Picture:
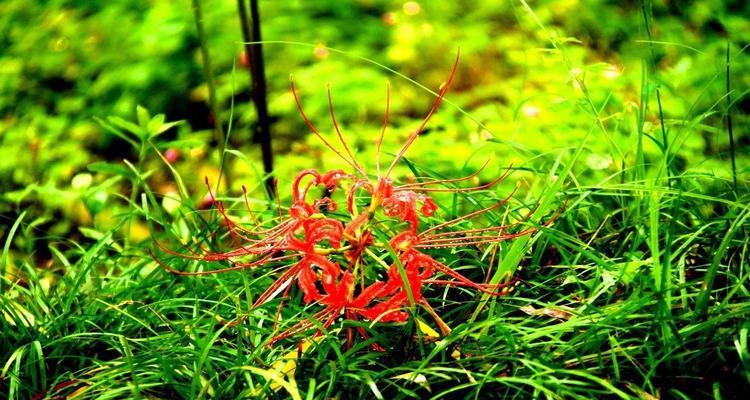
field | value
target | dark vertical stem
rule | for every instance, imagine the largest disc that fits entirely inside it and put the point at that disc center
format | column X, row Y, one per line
column 729, row 123
column 210, row 81
column 254, row 50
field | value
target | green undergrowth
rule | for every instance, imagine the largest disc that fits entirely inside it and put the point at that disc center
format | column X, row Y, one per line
column 590, row 317
column 636, row 290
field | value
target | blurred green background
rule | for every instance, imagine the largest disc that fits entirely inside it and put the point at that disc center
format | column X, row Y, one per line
column 641, row 284
column 65, row 65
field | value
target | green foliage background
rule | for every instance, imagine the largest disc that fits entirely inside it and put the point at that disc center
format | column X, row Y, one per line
column 562, row 89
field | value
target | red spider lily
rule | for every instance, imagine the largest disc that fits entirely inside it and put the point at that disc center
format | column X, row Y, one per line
column 333, row 261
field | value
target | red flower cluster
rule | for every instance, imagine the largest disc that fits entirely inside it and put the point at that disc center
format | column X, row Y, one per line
column 338, row 262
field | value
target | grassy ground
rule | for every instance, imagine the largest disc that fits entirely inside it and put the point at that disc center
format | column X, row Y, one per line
column 639, row 289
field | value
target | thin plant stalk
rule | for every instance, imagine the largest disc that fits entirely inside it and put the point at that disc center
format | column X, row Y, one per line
column 729, row 123
column 665, row 139
column 211, row 82
column 254, row 50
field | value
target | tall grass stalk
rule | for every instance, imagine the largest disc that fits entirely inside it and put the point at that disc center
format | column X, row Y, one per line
column 730, row 131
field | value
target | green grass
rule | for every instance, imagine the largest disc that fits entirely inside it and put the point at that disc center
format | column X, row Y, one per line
column 587, row 321
column 639, row 289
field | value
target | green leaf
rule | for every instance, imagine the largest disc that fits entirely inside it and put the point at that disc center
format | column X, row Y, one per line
column 144, row 118
column 127, row 126
column 109, row 168
column 165, row 127
column 154, row 125
column 115, row 131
